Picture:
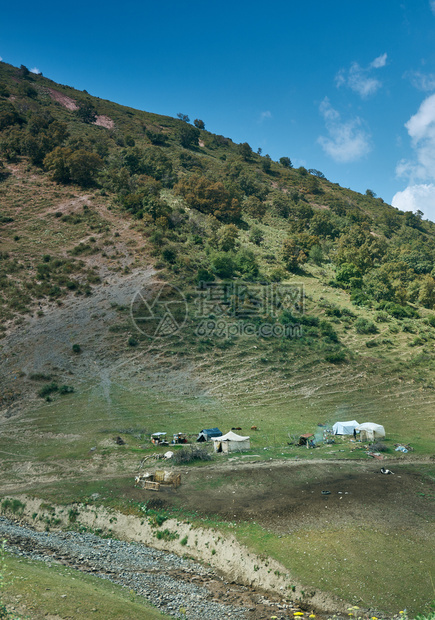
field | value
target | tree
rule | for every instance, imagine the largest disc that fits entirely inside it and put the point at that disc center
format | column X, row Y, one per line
column 292, row 255
column 266, row 164
column 156, row 207
column 183, row 117
column 322, row 225
column 316, row 173
column 84, row 167
column 188, row 136
column 155, row 164
column 245, row 151
column 199, row 124
column 79, row 166
column 254, row 207
column 370, row 193
column 57, row 163
column 156, row 138
column 222, row 264
column 227, row 237
column 209, row 197
column 86, row 111
column 285, row 162
column 412, row 219
column 256, row 236
column 313, row 185
column 24, row 71
column 347, row 272
column 316, row 255
column 426, row 295
column 246, row 263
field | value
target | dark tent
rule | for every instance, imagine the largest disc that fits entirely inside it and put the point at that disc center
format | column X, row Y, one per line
column 207, row 433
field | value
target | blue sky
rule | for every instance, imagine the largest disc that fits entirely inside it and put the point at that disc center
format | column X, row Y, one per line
column 345, row 86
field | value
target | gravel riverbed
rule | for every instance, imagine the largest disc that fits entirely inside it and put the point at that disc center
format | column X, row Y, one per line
column 168, row 581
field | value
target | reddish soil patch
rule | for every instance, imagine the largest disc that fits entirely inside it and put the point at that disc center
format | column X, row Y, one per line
column 67, row 102
column 104, row 121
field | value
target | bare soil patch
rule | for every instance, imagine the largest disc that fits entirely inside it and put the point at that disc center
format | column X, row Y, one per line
column 104, row 121
column 67, row 102
column 286, row 497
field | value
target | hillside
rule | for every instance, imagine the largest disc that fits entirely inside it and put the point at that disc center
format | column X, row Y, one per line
column 296, row 301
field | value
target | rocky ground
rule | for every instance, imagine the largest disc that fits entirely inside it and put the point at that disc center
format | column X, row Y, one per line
column 169, row 582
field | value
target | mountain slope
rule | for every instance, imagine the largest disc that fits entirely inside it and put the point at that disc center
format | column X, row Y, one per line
column 157, row 277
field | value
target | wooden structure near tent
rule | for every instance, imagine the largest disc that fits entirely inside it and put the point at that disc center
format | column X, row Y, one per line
column 161, row 477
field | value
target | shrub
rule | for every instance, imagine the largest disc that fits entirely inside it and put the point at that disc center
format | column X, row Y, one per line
column 364, row 326
column 335, row 357
column 398, row 311
column 48, row 389
column 159, row 519
column 222, row 265
column 166, row 535
column 246, row 263
column 169, row 254
column 132, row 342
column 278, row 274
column 39, row 376
column 73, row 513
column 14, row 506
column 76, row 348
column 192, row 453
column 382, row 317
column 256, row 236
column 184, row 541
column 204, row 276
column 408, row 326
column 66, row 389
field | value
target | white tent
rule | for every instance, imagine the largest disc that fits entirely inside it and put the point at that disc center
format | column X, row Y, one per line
column 344, row 428
column 231, row 442
column 369, row 431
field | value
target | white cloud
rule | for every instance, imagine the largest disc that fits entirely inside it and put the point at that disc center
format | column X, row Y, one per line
column 359, row 79
column 35, row 70
column 421, row 81
column 421, row 130
column 346, row 141
column 1, row 59
column 264, row 115
column 419, row 170
column 327, row 111
column 415, row 197
column 379, row 62
column 432, row 6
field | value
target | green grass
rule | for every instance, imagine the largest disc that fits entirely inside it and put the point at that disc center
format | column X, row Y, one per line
column 362, row 565
column 50, row 590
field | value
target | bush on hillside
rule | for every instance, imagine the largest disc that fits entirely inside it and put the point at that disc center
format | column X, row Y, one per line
column 190, row 454
column 364, row 326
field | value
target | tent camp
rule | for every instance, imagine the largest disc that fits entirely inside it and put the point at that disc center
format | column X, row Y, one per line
column 231, row 442
column 369, row 431
column 208, row 433
column 344, row 428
